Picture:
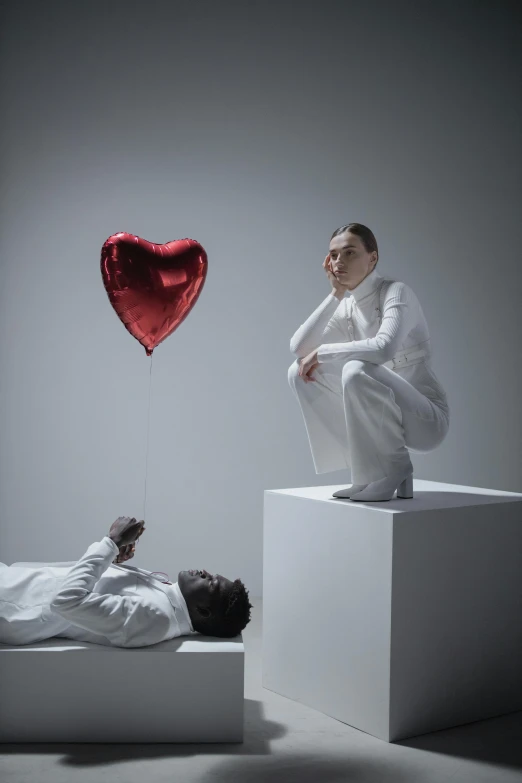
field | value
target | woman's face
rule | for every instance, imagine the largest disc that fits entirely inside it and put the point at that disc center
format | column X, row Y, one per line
column 350, row 261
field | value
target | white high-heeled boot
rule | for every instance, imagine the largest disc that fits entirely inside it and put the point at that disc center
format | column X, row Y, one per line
column 384, row 489
column 347, row 492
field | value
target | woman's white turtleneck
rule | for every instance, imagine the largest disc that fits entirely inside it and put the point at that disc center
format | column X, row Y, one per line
column 329, row 330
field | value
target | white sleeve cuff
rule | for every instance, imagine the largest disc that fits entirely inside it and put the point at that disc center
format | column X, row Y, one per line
column 329, row 352
column 113, row 544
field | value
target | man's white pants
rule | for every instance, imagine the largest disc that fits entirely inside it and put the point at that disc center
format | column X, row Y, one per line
column 365, row 417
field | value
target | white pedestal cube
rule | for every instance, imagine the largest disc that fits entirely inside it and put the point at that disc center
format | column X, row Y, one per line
column 399, row 617
column 182, row 690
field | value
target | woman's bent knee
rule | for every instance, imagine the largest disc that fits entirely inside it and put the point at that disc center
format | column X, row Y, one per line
column 353, row 370
column 293, row 372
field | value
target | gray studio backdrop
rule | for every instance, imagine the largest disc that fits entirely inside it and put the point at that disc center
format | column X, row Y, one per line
column 257, row 129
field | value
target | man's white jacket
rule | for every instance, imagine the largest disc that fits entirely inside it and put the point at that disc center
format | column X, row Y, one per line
column 90, row 600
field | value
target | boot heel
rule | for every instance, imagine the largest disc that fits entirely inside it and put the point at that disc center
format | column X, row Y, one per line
column 405, row 489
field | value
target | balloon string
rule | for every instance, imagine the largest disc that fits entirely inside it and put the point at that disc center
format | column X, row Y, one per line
column 147, row 449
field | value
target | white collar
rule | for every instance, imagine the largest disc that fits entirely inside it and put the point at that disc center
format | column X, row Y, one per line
column 185, row 625
column 183, row 606
column 367, row 286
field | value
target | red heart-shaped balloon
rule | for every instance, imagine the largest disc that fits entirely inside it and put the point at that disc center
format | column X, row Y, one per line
column 152, row 287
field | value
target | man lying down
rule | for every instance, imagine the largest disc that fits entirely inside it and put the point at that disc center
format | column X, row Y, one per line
column 102, row 601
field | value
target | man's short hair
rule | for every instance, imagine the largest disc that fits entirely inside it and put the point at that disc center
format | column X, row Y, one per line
column 235, row 614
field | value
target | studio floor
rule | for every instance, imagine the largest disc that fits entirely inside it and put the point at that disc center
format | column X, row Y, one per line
column 284, row 741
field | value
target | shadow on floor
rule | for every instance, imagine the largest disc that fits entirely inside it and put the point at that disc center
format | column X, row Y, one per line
column 308, row 768
column 495, row 740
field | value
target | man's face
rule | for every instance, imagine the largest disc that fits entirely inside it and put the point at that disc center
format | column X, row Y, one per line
column 200, row 588
column 349, row 259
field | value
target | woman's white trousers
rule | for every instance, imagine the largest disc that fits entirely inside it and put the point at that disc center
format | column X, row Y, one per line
column 365, row 417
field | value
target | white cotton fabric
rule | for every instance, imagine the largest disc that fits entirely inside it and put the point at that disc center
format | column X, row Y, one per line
column 92, row 600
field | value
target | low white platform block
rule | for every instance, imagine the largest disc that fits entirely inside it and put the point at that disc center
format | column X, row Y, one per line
column 181, row 690
column 399, row 617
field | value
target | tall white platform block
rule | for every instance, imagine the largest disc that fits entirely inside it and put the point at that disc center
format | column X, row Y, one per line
column 399, row 617
column 189, row 689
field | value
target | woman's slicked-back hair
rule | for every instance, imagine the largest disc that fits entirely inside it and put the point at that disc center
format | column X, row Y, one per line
column 363, row 232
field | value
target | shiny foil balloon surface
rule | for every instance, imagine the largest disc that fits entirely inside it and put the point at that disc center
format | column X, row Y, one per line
column 152, row 287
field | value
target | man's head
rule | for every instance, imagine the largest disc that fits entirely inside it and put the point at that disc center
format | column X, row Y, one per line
column 353, row 254
column 217, row 606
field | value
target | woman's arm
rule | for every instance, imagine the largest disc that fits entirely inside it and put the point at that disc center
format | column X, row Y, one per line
column 395, row 325
column 321, row 325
